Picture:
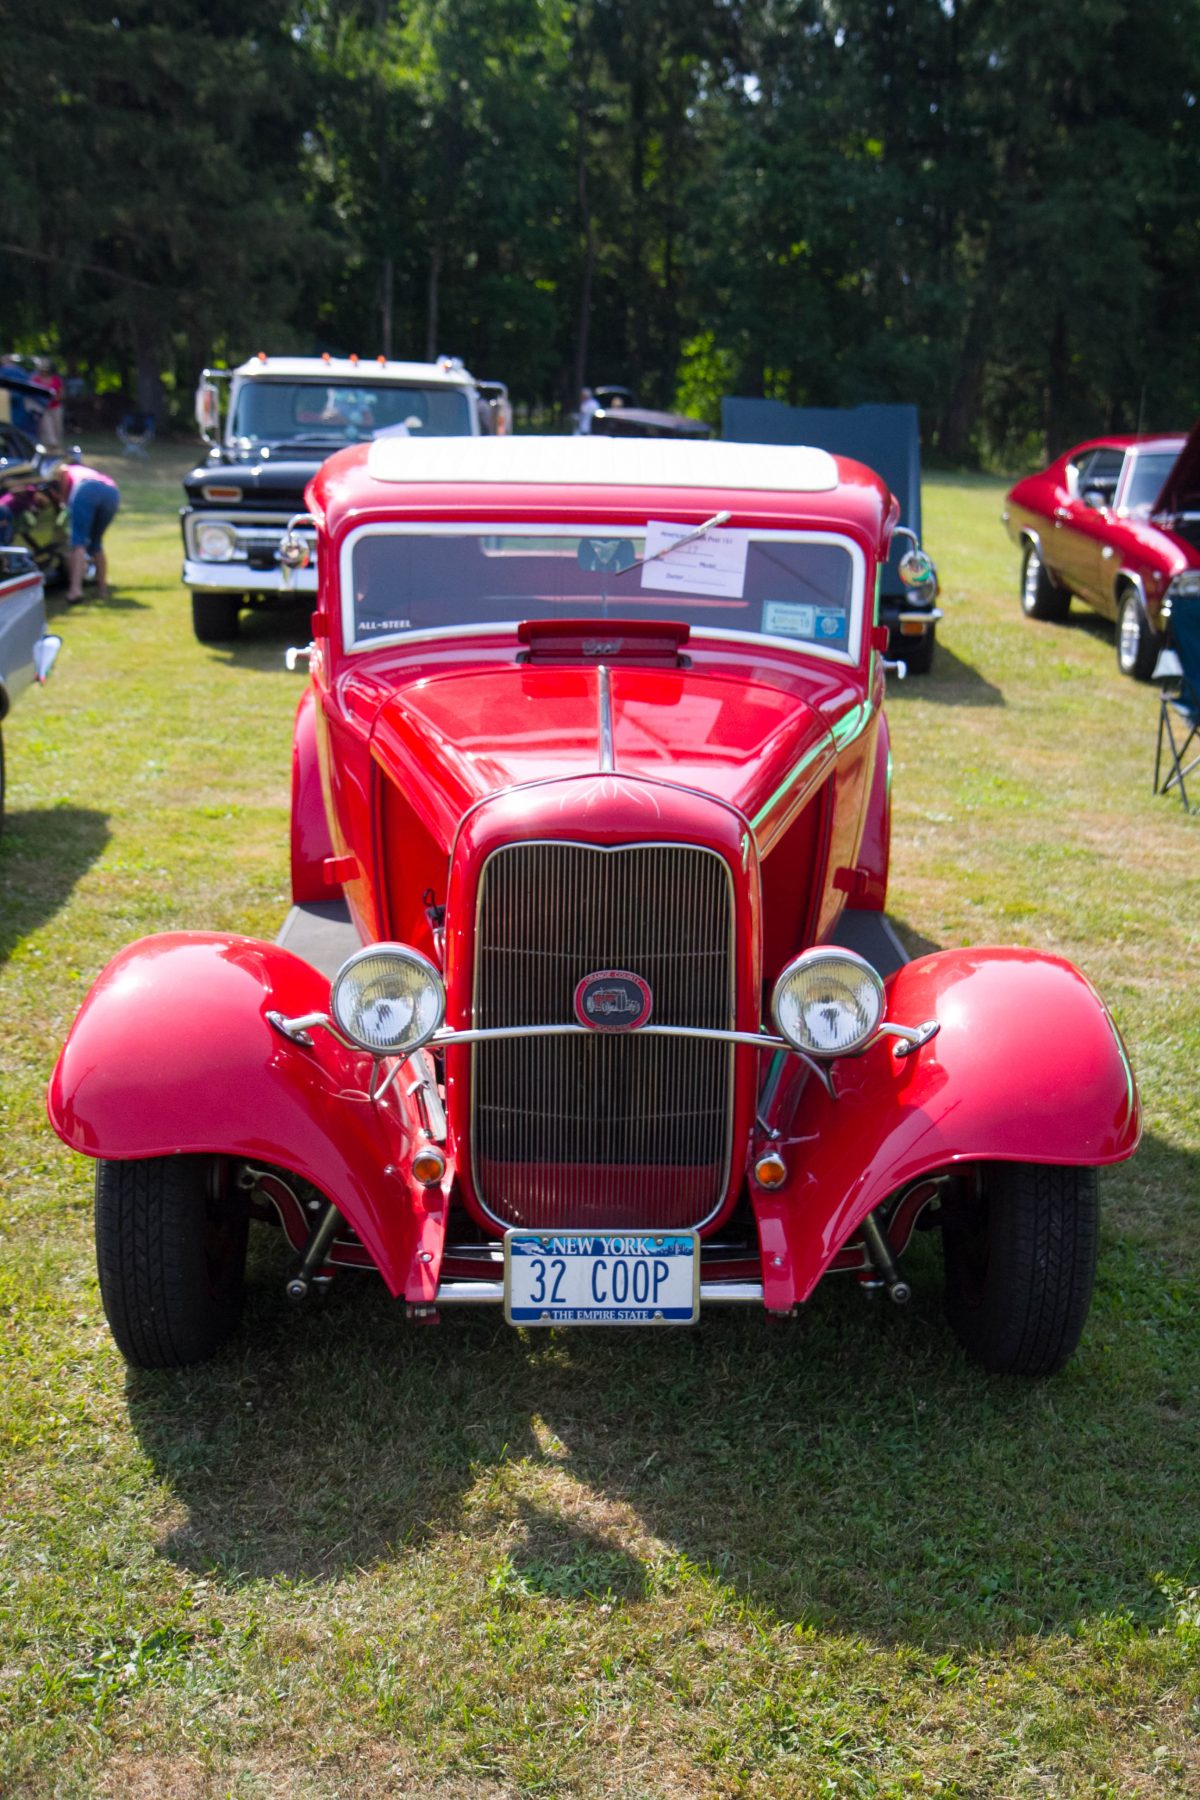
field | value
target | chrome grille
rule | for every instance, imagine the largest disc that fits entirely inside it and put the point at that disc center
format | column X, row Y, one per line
column 603, row 1129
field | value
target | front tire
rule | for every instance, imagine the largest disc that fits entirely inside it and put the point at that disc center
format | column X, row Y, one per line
column 215, row 617
column 1019, row 1248
column 1041, row 596
column 171, row 1252
column 1137, row 646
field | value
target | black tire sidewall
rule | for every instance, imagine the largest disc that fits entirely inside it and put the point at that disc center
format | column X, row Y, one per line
column 171, row 1236
column 1025, row 1314
column 215, row 617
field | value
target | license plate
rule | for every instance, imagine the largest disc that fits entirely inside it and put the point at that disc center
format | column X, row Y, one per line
column 601, row 1278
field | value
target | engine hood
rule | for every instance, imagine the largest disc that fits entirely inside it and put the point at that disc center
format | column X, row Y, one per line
column 456, row 739
column 276, row 481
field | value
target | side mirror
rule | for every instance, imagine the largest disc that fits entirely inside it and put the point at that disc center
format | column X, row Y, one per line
column 208, row 411
column 917, row 571
column 1095, row 497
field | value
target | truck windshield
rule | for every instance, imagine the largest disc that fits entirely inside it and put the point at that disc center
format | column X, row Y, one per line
column 802, row 588
column 343, row 412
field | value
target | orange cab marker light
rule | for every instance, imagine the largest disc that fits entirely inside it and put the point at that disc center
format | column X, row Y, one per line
column 325, row 356
column 354, row 359
column 770, row 1171
column 262, row 356
column 382, row 361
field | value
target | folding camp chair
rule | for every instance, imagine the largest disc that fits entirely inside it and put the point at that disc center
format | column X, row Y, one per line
column 136, row 433
column 1179, row 702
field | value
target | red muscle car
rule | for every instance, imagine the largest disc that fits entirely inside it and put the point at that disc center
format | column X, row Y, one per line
column 586, row 1008
column 1115, row 521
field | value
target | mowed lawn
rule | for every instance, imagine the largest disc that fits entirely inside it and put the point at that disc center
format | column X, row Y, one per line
column 816, row 1557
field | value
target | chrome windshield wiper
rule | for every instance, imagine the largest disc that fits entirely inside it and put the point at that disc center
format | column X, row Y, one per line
column 640, row 562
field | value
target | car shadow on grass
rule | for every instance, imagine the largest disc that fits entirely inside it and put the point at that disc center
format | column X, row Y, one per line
column 950, row 682
column 44, row 851
column 846, row 1469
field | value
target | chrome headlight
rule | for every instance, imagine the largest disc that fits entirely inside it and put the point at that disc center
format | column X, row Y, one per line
column 829, row 1002
column 215, row 543
column 1185, row 586
column 388, row 999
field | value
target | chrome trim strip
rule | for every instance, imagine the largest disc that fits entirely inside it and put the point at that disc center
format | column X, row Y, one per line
column 491, row 1293
column 604, row 695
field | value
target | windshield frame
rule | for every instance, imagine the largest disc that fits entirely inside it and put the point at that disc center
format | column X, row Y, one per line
column 493, row 527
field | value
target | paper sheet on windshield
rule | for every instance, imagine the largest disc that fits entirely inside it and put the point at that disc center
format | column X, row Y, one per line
column 713, row 564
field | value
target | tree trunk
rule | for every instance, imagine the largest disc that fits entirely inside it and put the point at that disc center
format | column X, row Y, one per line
column 148, row 376
column 431, row 303
column 387, row 301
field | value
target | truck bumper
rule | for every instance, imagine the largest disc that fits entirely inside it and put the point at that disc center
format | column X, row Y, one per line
column 240, row 578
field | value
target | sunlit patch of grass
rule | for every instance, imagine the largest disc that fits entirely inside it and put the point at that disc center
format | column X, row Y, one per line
column 822, row 1557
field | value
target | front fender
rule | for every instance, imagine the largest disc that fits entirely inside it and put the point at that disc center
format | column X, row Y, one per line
column 172, row 1053
column 1027, row 1066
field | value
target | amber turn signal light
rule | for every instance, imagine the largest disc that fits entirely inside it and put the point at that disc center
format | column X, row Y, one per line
column 429, row 1165
column 770, row 1171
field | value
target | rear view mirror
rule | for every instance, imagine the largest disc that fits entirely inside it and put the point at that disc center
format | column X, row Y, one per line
column 610, row 556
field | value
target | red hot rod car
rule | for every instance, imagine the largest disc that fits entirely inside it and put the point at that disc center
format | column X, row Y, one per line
column 590, row 812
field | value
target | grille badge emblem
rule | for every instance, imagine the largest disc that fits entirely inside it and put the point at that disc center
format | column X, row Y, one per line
column 613, row 1000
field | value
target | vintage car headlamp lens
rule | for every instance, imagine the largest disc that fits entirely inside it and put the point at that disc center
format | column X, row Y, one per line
column 1185, row 586
column 828, row 1002
column 388, row 999
column 215, row 543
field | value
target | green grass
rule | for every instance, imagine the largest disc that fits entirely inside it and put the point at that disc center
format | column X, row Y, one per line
column 813, row 1558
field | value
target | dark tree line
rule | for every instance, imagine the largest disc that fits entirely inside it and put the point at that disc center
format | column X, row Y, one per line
column 989, row 207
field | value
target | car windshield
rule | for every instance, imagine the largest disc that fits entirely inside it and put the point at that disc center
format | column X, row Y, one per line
column 343, row 412
column 802, row 588
column 1145, row 480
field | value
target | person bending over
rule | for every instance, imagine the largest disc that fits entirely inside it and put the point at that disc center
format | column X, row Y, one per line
column 91, row 499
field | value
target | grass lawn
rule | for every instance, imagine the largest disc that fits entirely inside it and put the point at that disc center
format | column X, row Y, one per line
column 812, row 1558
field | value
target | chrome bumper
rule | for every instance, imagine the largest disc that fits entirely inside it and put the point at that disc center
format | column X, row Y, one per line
column 491, row 1293
column 240, row 578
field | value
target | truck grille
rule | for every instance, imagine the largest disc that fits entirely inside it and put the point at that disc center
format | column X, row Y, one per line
column 602, row 1129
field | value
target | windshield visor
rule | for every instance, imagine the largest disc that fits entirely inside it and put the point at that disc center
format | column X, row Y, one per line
column 342, row 412
column 801, row 589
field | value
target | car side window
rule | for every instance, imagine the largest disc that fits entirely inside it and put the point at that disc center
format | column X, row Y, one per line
column 1098, row 473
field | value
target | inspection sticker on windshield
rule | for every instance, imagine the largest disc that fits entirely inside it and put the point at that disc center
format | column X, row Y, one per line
column 601, row 1278
column 711, row 563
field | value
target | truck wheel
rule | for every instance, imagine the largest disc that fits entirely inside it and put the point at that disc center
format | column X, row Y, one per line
column 1137, row 646
column 171, row 1251
column 215, row 617
column 1041, row 596
column 1020, row 1258
column 916, row 653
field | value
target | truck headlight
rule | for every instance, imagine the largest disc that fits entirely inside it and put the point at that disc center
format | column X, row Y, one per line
column 1185, row 586
column 215, row 543
column 388, row 999
column 828, row 1002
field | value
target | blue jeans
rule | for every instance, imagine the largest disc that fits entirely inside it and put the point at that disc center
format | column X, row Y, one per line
column 93, row 508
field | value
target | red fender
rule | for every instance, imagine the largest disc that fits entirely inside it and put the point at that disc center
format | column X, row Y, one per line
column 172, row 1054
column 1028, row 1066
column 311, row 842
